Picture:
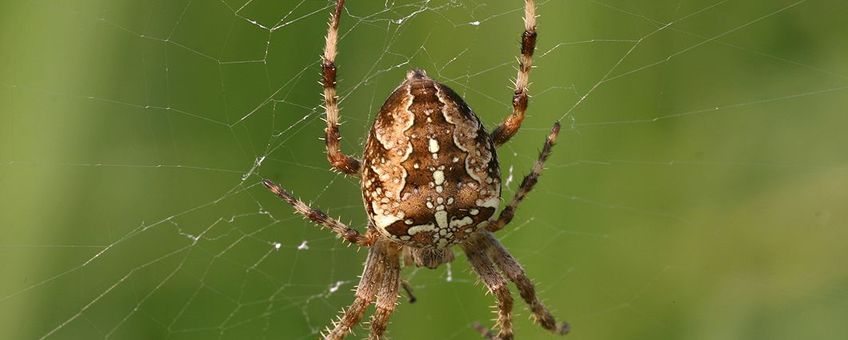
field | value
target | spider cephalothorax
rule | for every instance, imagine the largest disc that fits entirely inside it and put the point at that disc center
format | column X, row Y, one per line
column 430, row 179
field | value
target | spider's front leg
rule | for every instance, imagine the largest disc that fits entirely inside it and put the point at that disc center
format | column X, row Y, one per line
column 319, row 217
column 510, row 125
column 340, row 161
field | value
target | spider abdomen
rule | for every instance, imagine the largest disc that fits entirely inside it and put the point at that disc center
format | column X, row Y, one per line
column 430, row 174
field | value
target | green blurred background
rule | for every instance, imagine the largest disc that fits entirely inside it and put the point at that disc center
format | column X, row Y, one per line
column 698, row 190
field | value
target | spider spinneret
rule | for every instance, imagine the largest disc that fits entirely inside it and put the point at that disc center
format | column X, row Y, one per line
column 430, row 179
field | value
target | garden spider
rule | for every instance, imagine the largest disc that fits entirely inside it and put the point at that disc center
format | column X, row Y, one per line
column 430, row 179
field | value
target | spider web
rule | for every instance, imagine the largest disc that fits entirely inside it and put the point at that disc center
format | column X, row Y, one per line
column 697, row 190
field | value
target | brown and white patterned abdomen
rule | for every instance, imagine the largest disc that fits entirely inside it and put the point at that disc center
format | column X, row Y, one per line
column 430, row 173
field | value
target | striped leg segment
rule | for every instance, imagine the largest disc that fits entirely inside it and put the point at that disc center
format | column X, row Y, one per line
column 510, row 126
column 340, row 161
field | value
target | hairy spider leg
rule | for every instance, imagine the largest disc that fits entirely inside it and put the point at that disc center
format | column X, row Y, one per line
column 387, row 294
column 512, row 123
column 319, row 217
column 340, row 161
column 378, row 270
column 513, row 270
column 527, row 183
column 476, row 250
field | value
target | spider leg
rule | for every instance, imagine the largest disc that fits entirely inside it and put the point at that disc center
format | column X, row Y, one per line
column 407, row 289
column 320, row 218
column 369, row 286
column 527, row 183
column 510, row 126
column 387, row 293
column 513, row 270
column 475, row 250
column 341, row 162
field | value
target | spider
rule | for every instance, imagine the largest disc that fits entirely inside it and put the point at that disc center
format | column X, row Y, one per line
column 430, row 179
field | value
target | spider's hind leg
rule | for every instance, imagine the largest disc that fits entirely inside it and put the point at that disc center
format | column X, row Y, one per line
column 513, row 270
